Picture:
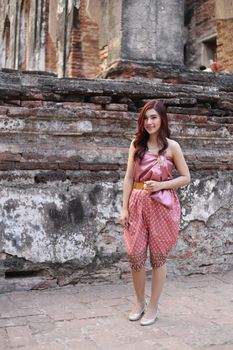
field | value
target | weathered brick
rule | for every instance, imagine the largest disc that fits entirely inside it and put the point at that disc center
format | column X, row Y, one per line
column 213, row 165
column 179, row 117
column 35, row 165
column 101, row 99
column 189, row 111
column 18, row 111
column 31, row 104
column 82, row 104
column 50, row 103
column 32, row 156
column 50, row 176
column 199, row 118
column 44, row 165
column 95, row 177
column 8, row 166
column 69, row 165
column 116, row 107
column 8, row 156
column 3, row 110
column 98, row 166
column 13, row 102
column 230, row 128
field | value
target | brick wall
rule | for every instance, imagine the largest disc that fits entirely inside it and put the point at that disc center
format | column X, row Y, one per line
column 225, row 45
column 63, row 153
column 200, row 23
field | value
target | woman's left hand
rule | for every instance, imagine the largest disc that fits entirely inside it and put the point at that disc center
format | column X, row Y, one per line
column 152, row 186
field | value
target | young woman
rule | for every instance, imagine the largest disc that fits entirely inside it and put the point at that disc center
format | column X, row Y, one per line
column 151, row 210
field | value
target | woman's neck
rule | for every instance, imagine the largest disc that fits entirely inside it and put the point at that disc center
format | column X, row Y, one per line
column 153, row 139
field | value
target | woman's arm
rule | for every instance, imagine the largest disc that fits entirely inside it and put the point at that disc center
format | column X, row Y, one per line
column 182, row 168
column 127, row 185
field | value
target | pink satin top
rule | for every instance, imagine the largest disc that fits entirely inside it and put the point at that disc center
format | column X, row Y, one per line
column 158, row 168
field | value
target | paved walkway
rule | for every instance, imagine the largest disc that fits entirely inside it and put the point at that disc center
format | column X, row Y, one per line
column 195, row 313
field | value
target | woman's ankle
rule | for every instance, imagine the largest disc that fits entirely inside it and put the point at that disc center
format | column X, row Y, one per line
column 152, row 305
column 141, row 301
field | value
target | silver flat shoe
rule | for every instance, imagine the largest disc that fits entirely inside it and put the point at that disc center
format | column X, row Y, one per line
column 137, row 315
column 148, row 321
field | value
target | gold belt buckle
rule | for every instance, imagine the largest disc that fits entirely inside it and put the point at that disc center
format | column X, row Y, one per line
column 138, row 185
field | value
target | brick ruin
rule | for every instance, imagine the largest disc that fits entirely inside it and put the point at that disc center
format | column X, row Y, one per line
column 64, row 145
column 89, row 38
column 64, row 141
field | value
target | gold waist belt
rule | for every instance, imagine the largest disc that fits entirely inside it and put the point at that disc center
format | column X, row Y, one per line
column 138, row 185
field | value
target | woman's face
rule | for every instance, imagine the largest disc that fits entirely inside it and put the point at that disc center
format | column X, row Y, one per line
column 152, row 121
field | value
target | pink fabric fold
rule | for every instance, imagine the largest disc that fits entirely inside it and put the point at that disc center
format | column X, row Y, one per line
column 158, row 168
column 164, row 197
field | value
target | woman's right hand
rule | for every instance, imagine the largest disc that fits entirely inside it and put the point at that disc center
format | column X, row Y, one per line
column 124, row 217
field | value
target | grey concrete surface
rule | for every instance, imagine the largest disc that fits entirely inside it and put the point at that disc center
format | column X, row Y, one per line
column 196, row 312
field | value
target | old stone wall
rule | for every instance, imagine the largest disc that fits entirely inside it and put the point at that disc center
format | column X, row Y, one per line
column 63, row 153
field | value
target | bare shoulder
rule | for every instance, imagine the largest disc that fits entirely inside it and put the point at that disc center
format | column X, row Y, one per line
column 173, row 148
column 173, row 145
column 132, row 146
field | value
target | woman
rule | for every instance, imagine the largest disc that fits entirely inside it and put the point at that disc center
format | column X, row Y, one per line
column 151, row 209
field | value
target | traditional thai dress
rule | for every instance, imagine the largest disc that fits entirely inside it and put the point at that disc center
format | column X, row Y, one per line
column 154, row 218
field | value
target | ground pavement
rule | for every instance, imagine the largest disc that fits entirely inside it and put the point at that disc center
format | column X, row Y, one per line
column 196, row 312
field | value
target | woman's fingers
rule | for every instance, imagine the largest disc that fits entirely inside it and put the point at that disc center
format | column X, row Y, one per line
column 124, row 217
column 122, row 221
column 125, row 223
column 152, row 186
column 148, row 185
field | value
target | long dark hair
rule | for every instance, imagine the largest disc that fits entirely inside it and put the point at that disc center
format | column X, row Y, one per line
column 142, row 136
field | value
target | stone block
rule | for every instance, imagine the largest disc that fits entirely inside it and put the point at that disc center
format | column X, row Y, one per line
column 19, row 336
column 13, row 103
column 18, row 112
column 101, row 99
column 31, row 103
column 94, row 106
column 116, row 107
column 3, row 110
column 8, row 156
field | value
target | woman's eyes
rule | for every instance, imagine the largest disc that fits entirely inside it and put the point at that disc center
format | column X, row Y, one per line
column 146, row 118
